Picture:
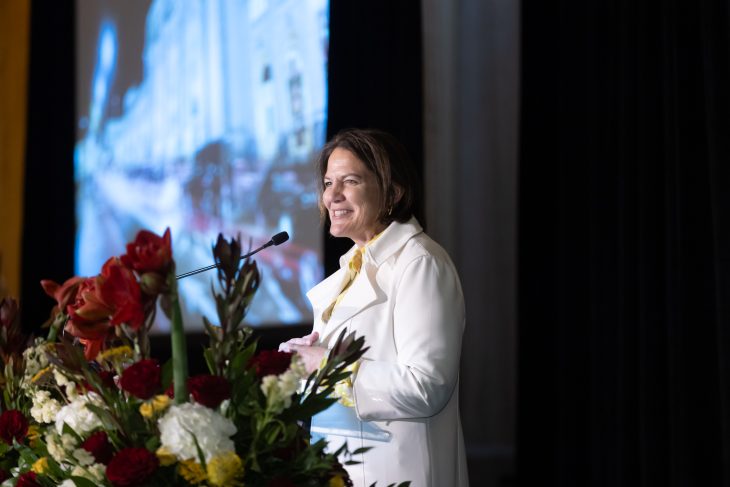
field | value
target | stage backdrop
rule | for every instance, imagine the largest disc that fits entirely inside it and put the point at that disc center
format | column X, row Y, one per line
column 203, row 117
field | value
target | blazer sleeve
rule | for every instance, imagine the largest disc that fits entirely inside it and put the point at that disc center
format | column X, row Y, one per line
column 428, row 322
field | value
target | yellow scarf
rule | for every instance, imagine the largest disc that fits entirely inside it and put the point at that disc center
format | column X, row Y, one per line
column 353, row 269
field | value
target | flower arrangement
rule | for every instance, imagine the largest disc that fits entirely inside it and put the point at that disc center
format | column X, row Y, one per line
column 87, row 405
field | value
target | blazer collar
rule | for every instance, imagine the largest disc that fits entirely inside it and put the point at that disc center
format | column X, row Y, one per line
column 393, row 239
column 364, row 289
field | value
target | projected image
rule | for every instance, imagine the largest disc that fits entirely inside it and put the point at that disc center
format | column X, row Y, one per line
column 203, row 116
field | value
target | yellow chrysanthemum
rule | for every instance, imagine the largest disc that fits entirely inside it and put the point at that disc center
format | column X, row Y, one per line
column 161, row 402
column 146, row 410
column 165, row 457
column 154, row 406
column 191, row 471
column 116, row 354
column 225, row 469
column 40, row 466
column 42, row 375
column 34, row 432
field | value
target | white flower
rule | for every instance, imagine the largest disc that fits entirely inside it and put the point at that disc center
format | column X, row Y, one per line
column 80, row 418
column 278, row 390
column 95, row 473
column 45, row 408
column 83, row 457
column 59, row 445
column 67, row 483
column 183, row 422
column 35, row 358
column 64, row 381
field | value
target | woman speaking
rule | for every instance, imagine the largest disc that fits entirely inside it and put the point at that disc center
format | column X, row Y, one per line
column 400, row 290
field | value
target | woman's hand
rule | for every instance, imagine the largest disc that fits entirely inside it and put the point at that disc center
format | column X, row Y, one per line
column 307, row 340
column 311, row 355
column 305, row 347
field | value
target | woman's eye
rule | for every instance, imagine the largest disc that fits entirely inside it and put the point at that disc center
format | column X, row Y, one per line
column 327, row 184
column 351, row 181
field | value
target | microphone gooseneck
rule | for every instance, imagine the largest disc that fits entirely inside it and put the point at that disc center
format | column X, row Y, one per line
column 277, row 239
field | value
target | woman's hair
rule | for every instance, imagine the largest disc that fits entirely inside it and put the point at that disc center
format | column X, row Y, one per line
column 388, row 160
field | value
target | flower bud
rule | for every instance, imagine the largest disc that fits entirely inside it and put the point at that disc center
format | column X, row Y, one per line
column 152, row 283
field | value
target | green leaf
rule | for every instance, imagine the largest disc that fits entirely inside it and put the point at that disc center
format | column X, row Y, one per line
column 209, row 360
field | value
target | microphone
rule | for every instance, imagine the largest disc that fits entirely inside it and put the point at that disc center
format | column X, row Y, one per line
column 277, row 239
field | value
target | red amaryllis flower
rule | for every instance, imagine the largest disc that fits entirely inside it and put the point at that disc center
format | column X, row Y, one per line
column 120, row 289
column 149, row 252
column 142, row 379
column 13, row 425
column 98, row 445
column 268, row 362
column 131, row 466
column 89, row 317
column 209, row 390
column 28, row 479
column 63, row 293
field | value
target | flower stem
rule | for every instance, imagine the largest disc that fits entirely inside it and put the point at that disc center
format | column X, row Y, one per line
column 179, row 352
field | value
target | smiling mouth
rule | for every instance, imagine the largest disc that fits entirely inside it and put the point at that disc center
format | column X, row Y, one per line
column 338, row 213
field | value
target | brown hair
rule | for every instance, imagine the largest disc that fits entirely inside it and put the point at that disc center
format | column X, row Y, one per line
column 388, row 160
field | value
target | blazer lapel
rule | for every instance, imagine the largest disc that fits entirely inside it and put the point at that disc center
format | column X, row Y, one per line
column 362, row 293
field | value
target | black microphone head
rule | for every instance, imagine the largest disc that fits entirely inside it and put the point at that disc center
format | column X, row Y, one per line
column 280, row 238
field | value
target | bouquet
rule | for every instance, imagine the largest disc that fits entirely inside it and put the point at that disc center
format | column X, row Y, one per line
column 87, row 405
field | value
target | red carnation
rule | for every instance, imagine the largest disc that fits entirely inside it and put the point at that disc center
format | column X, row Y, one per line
column 131, row 466
column 149, row 252
column 270, row 362
column 209, row 390
column 13, row 425
column 142, row 379
column 28, row 479
column 98, row 445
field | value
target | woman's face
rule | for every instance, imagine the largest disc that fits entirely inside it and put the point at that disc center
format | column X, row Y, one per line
column 351, row 196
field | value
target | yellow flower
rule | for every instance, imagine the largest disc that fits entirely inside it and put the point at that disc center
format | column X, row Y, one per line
column 165, row 457
column 225, row 469
column 40, row 466
column 146, row 410
column 116, row 354
column 337, row 481
column 192, row 471
column 155, row 406
column 34, row 432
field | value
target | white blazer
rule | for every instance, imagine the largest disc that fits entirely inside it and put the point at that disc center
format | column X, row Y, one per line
column 408, row 304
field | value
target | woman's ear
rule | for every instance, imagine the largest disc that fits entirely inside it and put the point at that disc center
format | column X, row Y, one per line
column 397, row 193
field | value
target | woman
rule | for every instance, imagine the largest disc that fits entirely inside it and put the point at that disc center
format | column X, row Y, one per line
column 400, row 290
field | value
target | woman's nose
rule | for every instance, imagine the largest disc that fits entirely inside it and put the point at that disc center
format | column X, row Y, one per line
column 335, row 193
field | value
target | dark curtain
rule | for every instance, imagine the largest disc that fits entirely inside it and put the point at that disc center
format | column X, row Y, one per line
column 49, row 219
column 624, row 255
column 375, row 80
